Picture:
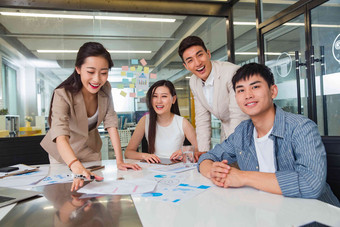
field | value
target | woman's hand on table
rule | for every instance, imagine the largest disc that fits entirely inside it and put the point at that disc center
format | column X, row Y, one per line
column 177, row 155
column 126, row 166
column 78, row 169
column 151, row 158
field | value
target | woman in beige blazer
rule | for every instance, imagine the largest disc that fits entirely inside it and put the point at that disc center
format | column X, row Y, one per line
column 78, row 106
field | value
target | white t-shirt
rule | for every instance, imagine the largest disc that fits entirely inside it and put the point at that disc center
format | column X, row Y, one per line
column 208, row 88
column 265, row 152
column 168, row 139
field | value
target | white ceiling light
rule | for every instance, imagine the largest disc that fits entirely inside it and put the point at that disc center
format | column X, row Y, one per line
column 144, row 19
column 75, row 16
column 111, row 51
column 68, row 16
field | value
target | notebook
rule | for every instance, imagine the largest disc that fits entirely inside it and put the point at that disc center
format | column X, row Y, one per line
column 12, row 195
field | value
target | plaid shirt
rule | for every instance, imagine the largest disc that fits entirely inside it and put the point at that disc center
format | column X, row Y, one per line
column 299, row 155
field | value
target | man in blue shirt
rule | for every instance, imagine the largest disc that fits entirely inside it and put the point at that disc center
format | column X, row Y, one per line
column 277, row 151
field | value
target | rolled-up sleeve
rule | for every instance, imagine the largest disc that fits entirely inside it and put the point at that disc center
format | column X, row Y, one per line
column 223, row 151
column 308, row 178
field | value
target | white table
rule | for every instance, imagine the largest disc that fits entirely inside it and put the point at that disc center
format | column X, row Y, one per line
column 233, row 206
column 219, row 206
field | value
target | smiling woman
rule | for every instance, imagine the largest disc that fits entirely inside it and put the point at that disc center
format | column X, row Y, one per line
column 83, row 97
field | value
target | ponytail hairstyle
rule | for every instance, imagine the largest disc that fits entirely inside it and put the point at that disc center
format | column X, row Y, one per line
column 152, row 113
column 73, row 83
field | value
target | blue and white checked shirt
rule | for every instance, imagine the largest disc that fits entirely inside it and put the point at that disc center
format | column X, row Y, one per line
column 300, row 157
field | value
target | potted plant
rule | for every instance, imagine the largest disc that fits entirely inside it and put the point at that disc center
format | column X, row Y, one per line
column 3, row 111
column 28, row 120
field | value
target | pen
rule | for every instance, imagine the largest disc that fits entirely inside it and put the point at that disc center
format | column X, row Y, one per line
column 80, row 176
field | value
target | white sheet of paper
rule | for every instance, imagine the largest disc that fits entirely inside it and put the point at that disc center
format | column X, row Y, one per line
column 175, row 168
column 173, row 188
column 120, row 187
column 56, row 179
column 4, row 210
column 26, row 179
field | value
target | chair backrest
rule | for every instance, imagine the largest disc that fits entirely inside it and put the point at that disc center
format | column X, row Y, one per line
column 125, row 136
column 332, row 146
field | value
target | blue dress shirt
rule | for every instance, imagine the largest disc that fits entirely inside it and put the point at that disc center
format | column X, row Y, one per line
column 299, row 155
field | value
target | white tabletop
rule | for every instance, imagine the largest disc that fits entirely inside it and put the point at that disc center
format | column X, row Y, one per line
column 220, row 207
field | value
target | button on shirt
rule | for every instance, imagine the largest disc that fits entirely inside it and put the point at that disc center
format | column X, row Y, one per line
column 300, row 156
column 208, row 88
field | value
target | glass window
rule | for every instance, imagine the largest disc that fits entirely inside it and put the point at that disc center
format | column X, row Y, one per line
column 43, row 47
column 272, row 7
column 326, row 43
column 245, row 32
column 280, row 46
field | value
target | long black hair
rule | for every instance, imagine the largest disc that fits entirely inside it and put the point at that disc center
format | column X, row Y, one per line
column 152, row 113
column 73, row 83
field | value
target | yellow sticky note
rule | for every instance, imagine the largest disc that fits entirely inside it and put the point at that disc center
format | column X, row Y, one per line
column 132, row 85
column 123, row 73
column 146, row 69
column 122, row 93
column 132, row 68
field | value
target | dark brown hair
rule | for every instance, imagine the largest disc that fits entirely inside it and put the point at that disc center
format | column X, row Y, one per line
column 189, row 42
column 73, row 83
column 152, row 113
column 252, row 69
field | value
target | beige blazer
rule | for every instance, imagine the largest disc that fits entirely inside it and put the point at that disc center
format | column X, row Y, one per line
column 224, row 106
column 69, row 118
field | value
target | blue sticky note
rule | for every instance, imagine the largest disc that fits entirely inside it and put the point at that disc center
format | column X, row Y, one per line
column 125, row 81
column 130, row 74
column 134, row 61
column 140, row 93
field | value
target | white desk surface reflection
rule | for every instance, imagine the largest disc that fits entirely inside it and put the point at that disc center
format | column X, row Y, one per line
column 219, row 206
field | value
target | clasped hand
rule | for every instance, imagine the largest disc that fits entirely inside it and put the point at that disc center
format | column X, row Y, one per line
column 225, row 176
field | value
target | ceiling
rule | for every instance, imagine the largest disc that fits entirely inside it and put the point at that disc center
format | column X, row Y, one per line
column 28, row 34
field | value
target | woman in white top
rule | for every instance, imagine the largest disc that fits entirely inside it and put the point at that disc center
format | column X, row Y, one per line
column 164, row 128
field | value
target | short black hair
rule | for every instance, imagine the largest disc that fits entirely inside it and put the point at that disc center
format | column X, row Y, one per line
column 252, row 69
column 189, row 42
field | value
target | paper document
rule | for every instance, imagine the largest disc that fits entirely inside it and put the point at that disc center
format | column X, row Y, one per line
column 175, row 168
column 56, row 179
column 174, row 189
column 25, row 180
column 120, row 187
column 22, row 169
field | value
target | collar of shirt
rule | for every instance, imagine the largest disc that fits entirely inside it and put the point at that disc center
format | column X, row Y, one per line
column 278, row 128
column 210, row 80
